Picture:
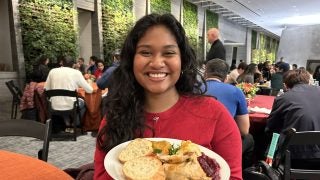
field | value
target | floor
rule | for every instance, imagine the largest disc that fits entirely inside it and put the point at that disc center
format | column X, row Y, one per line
column 62, row 154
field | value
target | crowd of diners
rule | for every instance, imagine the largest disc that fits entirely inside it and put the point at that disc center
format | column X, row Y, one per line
column 157, row 90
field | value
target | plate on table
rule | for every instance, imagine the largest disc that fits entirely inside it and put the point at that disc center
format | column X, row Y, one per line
column 114, row 167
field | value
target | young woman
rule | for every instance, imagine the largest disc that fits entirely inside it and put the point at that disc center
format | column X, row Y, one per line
column 41, row 70
column 155, row 93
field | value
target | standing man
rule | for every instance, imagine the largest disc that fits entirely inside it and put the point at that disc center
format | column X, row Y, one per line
column 217, row 49
column 234, row 100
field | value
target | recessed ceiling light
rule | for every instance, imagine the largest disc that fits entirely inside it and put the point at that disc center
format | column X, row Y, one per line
column 249, row 1
column 294, row 6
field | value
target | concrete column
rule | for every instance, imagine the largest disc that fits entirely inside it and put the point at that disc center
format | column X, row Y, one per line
column 16, row 42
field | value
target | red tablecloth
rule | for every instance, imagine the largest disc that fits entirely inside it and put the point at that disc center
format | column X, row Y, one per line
column 18, row 166
column 258, row 120
column 262, row 102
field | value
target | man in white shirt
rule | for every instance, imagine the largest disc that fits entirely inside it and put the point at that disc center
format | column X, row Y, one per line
column 66, row 77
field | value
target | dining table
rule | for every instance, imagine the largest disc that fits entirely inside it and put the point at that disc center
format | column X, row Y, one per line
column 92, row 117
column 23, row 167
column 258, row 121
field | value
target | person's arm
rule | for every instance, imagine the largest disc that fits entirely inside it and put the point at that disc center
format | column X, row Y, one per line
column 83, row 83
column 103, row 82
column 242, row 117
column 275, row 119
column 243, row 123
column 100, row 172
column 227, row 141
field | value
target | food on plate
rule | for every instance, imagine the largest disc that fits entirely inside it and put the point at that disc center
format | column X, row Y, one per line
column 167, row 161
column 136, row 148
column 190, row 169
column 144, row 168
column 161, row 147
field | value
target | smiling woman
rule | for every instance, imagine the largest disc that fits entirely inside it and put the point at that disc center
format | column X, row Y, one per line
column 155, row 93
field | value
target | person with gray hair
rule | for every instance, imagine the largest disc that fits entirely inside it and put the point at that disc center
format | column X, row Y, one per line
column 234, row 100
column 217, row 49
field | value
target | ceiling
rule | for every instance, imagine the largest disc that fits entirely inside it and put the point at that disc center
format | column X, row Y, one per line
column 269, row 16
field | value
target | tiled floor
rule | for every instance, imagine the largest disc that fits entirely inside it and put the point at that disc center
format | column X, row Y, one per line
column 62, row 154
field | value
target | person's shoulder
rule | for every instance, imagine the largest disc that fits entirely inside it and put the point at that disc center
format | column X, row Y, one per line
column 200, row 101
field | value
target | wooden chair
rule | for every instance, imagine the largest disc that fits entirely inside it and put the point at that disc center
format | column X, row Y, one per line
column 16, row 97
column 301, row 138
column 27, row 128
column 71, row 113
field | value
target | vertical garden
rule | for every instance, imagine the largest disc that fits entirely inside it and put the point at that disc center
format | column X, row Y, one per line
column 160, row 6
column 47, row 27
column 117, row 19
column 265, row 49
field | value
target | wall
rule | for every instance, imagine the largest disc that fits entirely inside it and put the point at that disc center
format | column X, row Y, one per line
column 85, row 34
column 299, row 44
column 233, row 33
column 139, row 8
column 5, row 44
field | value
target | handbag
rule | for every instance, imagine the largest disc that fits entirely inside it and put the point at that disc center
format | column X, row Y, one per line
column 262, row 171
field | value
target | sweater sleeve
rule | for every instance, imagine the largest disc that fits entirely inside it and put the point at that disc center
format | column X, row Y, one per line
column 227, row 141
column 99, row 171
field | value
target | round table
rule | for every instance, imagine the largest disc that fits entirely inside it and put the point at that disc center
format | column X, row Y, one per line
column 22, row 167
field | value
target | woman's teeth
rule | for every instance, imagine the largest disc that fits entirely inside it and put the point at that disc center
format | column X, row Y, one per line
column 157, row 75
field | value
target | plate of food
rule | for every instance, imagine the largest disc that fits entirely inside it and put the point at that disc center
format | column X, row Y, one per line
column 164, row 158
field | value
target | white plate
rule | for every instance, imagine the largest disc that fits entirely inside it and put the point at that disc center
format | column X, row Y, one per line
column 114, row 167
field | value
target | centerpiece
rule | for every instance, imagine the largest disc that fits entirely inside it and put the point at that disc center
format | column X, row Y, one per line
column 249, row 90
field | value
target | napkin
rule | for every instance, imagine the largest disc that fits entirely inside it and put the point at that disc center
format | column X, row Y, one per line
column 257, row 109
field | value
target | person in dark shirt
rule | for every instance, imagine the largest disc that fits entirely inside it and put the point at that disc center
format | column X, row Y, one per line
column 103, row 82
column 217, row 49
column 296, row 108
column 41, row 70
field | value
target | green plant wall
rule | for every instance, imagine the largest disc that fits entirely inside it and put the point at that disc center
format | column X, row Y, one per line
column 117, row 19
column 47, row 27
column 212, row 19
column 190, row 23
column 160, row 6
column 266, row 50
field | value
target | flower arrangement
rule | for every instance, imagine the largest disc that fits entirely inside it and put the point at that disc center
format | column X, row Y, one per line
column 89, row 77
column 248, row 89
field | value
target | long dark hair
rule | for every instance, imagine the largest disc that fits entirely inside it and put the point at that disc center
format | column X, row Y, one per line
column 125, row 100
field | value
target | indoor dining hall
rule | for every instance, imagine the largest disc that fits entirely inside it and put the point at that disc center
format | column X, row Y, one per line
column 159, row 89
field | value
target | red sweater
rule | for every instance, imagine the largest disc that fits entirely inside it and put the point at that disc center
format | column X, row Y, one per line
column 204, row 121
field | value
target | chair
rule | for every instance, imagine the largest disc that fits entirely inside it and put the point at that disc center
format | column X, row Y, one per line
column 71, row 113
column 16, row 97
column 27, row 128
column 301, row 138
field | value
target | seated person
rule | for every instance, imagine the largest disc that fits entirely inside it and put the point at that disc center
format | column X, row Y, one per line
column 294, row 109
column 100, row 68
column 234, row 100
column 66, row 77
column 277, row 78
column 232, row 78
column 103, row 82
column 92, row 65
column 40, row 70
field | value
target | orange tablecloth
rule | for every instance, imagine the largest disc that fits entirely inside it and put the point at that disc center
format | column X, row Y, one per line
column 22, row 167
column 92, row 117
